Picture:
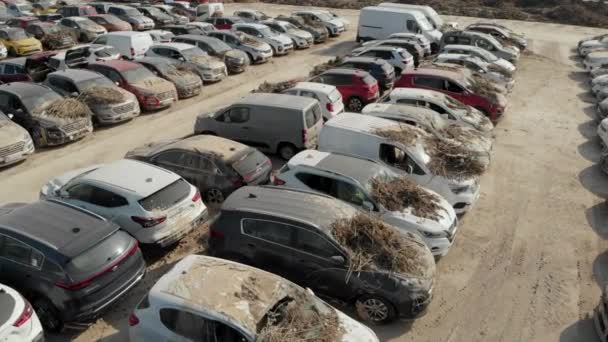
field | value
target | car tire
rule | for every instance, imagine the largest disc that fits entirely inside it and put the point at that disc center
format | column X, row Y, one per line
column 286, row 151
column 48, row 315
column 83, row 38
column 38, row 137
column 354, row 104
column 12, row 52
column 375, row 309
column 214, row 196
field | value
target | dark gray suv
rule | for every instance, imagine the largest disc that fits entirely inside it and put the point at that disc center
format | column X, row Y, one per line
column 68, row 262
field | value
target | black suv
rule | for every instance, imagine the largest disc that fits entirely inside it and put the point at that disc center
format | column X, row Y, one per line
column 68, row 262
column 290, row 232
column 380, row 69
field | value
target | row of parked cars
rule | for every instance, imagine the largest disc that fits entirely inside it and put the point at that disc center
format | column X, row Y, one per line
column 338, row 211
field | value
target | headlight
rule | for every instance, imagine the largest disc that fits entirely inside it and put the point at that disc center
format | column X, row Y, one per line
column 430, row 235
column 458, row 189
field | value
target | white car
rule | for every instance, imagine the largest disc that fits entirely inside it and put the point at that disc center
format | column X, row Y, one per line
column 205, row 27
column 328, row 96
column 280, row 43
column 485, row 55
column 589, row 46
column 602, row 132
column 300, row 38
column 595, row 60
column 351, row 179
column 476, row 64
column 398, row 57
column 208, row 299
column 154, row 205
column 334, row 26
column 18, row 321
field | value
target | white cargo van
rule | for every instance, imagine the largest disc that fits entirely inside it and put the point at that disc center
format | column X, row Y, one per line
column 130, row 44
column 431, row 15
column 204, row 11
column 380, row 22
column 356, row 135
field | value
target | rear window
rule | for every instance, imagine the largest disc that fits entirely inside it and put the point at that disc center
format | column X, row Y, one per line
column 249, row 162
column 335, row 96
column 101, row 254
column 167, row 196
column 369, row 79
column 313, row 115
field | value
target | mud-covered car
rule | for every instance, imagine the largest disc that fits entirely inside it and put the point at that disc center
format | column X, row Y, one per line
column 109, row 103
column 210, row 69
column 15, row 142
column 177, row 19
column 318, row 31
column 81, row 28
column 49, row 118
column 251, row 15
column 151, row 91
column 51, row 35
column 110, row 22
column 187, row 83
column 80, row 56
column 256, row 50
column 129, row 14
column 18, row 43
column 281, row 44
column 301, row 39
column 236, row 60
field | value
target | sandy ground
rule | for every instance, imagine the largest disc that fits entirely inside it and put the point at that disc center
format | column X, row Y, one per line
column 529, row 260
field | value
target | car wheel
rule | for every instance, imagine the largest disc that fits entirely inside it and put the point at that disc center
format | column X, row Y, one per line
column 355, row 104
column 287, row 151
column 214, row 196
column 38, row 137
column 374, row 309
column 12, row 52
column 83, row 38
column 48, row 315
column 251, row 61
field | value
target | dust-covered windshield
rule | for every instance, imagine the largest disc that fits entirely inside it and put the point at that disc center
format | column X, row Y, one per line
column 324, row 16
column 193, row 52
column 267, row 32
column 94, row 82
column 137, row 75
column 35, row 103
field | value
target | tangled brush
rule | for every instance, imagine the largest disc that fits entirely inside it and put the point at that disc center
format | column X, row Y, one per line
column 101, row 95
column 401, row 193
column 66, row 108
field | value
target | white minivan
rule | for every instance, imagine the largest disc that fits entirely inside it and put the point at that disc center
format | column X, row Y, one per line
column 328, row 96
column 357, row 135
column 130, row 44
column 380, row 22
column 431, row 15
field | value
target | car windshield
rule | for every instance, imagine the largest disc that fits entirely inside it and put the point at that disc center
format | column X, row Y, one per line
column 50, row 29
column 94, row 82
column 166, row 197
column 218, row 46
column 267, row 32
column 132, row 12
column 16, row 35
column 166, row 68
column 453, row 103
column 35, row 103
column 154, row 11
column 137, row 75
column 193, row 52
column 325, row 16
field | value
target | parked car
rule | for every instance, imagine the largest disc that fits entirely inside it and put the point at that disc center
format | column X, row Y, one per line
column 77, row 11
column 357, row 87
column 187, row 83
column 27, row 69
column 204, row 27
column 328, row 96
column 501, row 33
column 251, row 15
column 177, row 19
column 154, row 205
column 50, row 17
column 357, row 135
column 81, row 56
column 334, row 26
column 380, row 69
column 101, row 7
column 110, row 22
column 226, row 279
column 19, row 321
column 501, row 64
column 27, row 101
column 352, row 180
column 159, row 17
column 216, row 166
column 205, row 10
column 16, row 144
column 80, row 82
column 280, row 43
column 256, row 50
column 20, row 9
column 236, row 60
column 152, row 92
column 131, row 45
column 161, row 36
column 602, row 132
column 82, row 28
column 129, row 14
column 18, row 43
column 482, row 40
column 319, row 33
column 418, row 38
column 448, row 107
column 592, row 46
column 276, row 123
column 456, row 85
column 399, row 58
column 593, row 60
column 293, row 235
column 70, row 263
column 300, row 38
column 52, row 36
column 183, row 29
column 479, row 67
column 209, row 69
column 21, row 22
column 412, row 48
column 224, row 23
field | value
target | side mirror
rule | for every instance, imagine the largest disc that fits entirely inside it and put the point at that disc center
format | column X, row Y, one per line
column 181, row 59
column 338, row 260
column 369, row 206
column 62, row 193
column 310, row 292
column 10, row 116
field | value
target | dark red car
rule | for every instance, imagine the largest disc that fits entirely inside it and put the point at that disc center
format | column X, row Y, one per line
column 110, row 22
column 458, row 86
column 21, row 22
column 357, row 87
column 224, row 23
column 26, row 69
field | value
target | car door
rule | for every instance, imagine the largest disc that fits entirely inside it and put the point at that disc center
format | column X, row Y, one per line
column 456, row 91
column 401, row 162
column 233, row 124
column 199, row 171
column 20, row 264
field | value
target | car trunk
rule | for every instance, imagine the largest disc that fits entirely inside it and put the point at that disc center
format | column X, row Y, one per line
column 254, row 167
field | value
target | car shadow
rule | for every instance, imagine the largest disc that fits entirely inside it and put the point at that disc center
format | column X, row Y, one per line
column 597, row 216
column 591, row 150
column 581, row 77
column 594, row 180
column 391, row 331
column 591, row 111
column 600, row 270
column 588, row 129
column 579, row 331
column 587, row 97
column 339, row 49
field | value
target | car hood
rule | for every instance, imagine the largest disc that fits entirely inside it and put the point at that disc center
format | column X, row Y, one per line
column 353, row 331
column 183, row 79
column 503, row 63
column 336, row 22
column 236, row 54
column 11, row 133
column 26, row 42
column 206, row 61
column 282, row 38
column 300, row 33
column 141, row 19
column 48, row 189
column 154, row 85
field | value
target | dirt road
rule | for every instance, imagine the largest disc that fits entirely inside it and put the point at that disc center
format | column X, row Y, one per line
column 529, row 260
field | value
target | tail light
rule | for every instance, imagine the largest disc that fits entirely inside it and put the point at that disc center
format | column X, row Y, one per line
column 216, row 233
column 25, row 316
column 304, row 136
column 148, row 222
column 197, row 196
column 330, row 107
column 278, row 181
column 133, row 320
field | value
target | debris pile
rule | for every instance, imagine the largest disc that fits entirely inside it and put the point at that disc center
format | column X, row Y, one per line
column 401, row 193
column 481, row 85
column 453, row 160
column 278, row 87
column 321, row 68
column 405, row 134
column 55, row 40
column 66, row 108
column 101, row 95
column 460, row 134
column 373, row 245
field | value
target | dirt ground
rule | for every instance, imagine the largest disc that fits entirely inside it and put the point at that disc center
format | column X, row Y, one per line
column 530, row 258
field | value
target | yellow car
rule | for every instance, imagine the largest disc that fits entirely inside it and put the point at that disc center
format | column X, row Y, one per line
column 18, row 43
column 38, row 9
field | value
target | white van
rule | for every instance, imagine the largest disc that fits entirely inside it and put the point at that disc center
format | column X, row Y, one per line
column 355, row 135
column 130, row 44
column 429, row 12
column 204, row 11
column 328, row 96
column 380, row 22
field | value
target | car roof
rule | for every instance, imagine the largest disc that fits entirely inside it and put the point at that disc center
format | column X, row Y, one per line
column 416, row 112
column 363, row 59
column 177, row 46
column 133, row 176
column 119, row 65
column 314, row 86
column 224, row 149
column 67, row 229
column 361, row 123
column 416, row 93
column 24, row 89
column 361, row 170
column 346, row 71
column 216, row 286
column 252, row 25
column 77, row 75
column 300, row 205
column 436, row 72
column 197, row 37
column 278, row 100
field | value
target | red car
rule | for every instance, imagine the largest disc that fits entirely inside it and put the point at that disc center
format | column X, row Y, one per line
column 456, row 85
column 224, row 23
column 357, row 87
column 21, row 22
column 26, row 69
column 152, row 92
column 110, row 22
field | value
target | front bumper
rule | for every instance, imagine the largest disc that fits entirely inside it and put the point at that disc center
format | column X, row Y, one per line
column 213, row 76
column 54, row 140
column 143, row 26
column 11, row 157
column 28, row 50
column 283, row 50
column 189, row 91
column 441, row 246
column 465, row 202
column 119, row 113
column 262, row 57
column 235, row 67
